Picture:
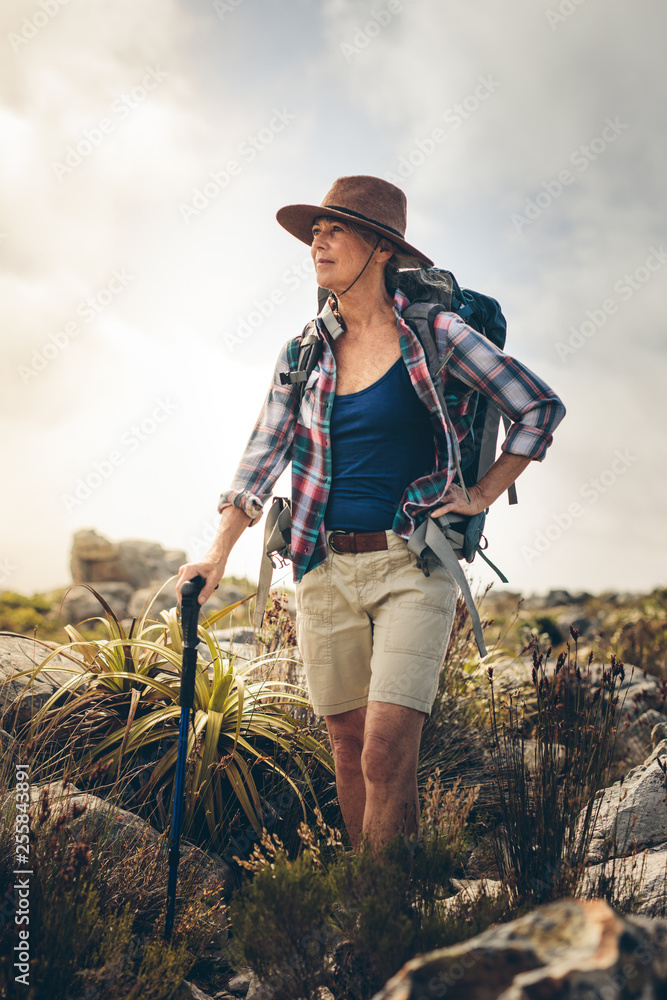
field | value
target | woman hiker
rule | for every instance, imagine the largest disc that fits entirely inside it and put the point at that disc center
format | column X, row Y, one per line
column 372, row 628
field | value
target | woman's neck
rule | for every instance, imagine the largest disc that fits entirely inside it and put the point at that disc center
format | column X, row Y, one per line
column 365, row 307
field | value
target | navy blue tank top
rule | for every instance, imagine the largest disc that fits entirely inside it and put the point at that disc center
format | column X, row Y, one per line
column 381, row 441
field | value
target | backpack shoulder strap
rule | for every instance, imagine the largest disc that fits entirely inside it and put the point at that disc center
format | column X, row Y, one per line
column 310, row 349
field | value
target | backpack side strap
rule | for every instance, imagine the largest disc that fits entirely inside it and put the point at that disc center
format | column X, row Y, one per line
column 277, row 538
column 427, row 539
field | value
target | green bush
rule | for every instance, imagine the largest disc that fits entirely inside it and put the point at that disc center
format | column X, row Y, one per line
column 347, row 920
column 22, row 614
column 281, row 922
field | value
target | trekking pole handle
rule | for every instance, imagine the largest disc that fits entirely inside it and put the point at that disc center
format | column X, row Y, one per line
column 189, row 614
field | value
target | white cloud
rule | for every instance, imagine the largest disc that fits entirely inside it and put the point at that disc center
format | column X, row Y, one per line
column 164, row 332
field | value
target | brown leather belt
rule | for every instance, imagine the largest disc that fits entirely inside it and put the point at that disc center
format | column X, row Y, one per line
column 357, row 541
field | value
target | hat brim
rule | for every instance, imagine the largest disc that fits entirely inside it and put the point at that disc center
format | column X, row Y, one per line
column 298, row 220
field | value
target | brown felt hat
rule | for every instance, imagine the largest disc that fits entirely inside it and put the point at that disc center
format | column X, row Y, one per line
column 371, row 202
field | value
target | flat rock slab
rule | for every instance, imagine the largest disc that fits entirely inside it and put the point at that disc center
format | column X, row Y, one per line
column 19, row 698
column 568, row 950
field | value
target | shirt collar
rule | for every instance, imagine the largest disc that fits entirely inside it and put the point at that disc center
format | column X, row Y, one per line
column 328, row 323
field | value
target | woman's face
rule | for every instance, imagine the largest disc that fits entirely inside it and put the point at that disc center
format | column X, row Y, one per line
column 338, row 254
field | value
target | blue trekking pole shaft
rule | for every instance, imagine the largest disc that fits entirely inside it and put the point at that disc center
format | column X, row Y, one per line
column 189, row 615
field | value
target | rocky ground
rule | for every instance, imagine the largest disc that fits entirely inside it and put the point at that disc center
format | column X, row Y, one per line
column 570, row 949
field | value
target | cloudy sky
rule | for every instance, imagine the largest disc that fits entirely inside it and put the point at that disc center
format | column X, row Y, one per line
column 147, row 288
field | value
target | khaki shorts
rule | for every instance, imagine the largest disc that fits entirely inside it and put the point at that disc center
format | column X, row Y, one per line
column 372, row 627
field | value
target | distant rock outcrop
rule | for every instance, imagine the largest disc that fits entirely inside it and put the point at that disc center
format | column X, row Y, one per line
column 140, row 564
column 126, row 574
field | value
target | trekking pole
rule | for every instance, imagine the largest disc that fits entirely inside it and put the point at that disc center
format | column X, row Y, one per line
column 189, row 615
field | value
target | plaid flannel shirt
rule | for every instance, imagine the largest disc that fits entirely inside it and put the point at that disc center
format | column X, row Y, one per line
column 284, row 432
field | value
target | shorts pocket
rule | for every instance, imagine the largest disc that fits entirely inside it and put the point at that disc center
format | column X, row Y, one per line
column 313, row 636
column 419, row 630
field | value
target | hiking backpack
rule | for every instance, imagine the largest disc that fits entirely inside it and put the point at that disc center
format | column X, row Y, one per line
column 448, row 538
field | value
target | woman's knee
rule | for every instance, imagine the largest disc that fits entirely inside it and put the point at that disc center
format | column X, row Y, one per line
column 384, row 761
column 347, row 741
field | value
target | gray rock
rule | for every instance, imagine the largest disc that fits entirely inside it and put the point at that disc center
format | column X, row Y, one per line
column 636, row 738
column 195, row 993
column 633, row 812
column 586, row 627
column 95, row 560
column 557, row 597
column 259, row 991
column 640, row 881
column 643, row 694
column 20, row 697
column 658, row 734
column 144, row 563
column 239, row 984
column 570, row 949
column 469, row 890
column 80, row 603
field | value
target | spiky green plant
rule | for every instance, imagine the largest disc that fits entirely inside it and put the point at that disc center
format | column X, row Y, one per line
column 119, row 700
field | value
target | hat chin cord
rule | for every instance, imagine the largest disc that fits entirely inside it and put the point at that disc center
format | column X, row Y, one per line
column 336, row 310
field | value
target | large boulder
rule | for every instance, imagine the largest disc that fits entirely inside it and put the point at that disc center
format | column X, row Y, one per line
column 633, row 812
column 139, row 563
column 147, row 563
column 569, row 950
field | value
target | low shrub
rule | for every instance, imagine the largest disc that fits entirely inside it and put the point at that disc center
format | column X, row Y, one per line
column 348, row 920
column 95, row 924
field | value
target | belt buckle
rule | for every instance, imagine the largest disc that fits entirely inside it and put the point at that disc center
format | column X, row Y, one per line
column 331, row 536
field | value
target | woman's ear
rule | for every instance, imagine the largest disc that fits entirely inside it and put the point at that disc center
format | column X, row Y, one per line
column 386, row 247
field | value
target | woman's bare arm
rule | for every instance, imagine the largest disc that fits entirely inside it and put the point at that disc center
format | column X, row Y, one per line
column 233, row 522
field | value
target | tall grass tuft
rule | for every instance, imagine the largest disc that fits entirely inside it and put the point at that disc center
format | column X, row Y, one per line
column 546, row 786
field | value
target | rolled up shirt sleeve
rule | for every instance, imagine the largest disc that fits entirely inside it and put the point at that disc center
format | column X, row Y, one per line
column 268, row 450
column 533, row 407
